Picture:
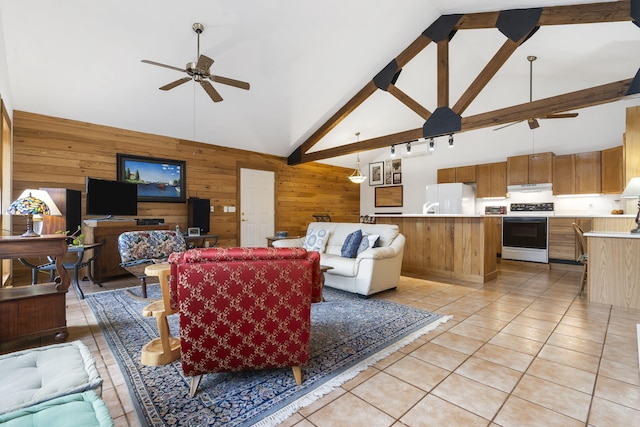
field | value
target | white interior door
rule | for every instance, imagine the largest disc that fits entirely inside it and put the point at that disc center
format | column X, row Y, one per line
column 257, row 206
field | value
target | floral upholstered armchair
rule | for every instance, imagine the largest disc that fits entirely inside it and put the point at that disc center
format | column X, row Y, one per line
column 138, row 249
column 244, row 308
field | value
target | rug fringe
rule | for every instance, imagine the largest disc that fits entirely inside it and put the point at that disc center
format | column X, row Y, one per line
column 306, row 400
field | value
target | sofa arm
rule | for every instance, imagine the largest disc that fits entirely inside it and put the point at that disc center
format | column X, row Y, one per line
column 288, row 243
column 391, row 251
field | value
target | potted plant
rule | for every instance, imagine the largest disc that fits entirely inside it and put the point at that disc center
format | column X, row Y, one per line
column 74, row 238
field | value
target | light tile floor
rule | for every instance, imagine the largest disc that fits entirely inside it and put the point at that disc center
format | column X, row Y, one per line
column 522, row 350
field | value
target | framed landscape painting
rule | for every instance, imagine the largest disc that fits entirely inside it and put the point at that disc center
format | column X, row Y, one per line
column 159, row 180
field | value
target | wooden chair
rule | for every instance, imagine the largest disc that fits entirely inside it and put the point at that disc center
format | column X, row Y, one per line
column 166, row 348
column 321, row 217
column 583, row 258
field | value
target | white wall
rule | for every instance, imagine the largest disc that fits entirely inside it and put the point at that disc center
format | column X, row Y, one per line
column 595, row 128
column 5, row 92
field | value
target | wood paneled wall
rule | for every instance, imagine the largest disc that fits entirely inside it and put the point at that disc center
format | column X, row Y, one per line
column 55, row 152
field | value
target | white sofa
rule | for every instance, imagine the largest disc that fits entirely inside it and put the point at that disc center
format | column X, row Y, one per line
column 373, row 270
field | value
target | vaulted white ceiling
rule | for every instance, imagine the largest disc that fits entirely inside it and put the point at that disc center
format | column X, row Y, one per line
column 80, row 60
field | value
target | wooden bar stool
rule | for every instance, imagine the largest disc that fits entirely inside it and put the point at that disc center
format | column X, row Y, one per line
column 166, row 348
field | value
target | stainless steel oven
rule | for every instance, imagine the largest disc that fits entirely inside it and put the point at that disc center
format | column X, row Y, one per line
column 525, row 238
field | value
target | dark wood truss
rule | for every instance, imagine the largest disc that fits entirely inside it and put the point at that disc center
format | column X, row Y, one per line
column 441, row 32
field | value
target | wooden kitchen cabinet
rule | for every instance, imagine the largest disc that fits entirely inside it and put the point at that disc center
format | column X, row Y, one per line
column 564, row 174
column 563, row 245
column 612, row 170
column 577, row 173
column 446, row 175
column 530, row 169
column 588, row 173
column 466, row 174
column 463, row 174
column 518, row 170
column 492, row 180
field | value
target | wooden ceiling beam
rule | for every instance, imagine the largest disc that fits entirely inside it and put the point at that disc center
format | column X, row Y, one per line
column 443, row 73
column 556, row 104
column 409, row 102
column 570, row 101
column 401, row 60
column 617, row 11
column 490, row 70
column 592, row 13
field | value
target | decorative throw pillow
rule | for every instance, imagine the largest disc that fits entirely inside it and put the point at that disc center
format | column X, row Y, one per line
column 351, row 244
column 364, row 244
column 316, row 240
column 374, row 240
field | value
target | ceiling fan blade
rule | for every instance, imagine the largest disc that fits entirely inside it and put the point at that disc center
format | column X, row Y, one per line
column 146, row 61
column 560, row 116
column 211, row 91
column 533, row 123
column 204, row 63
column 508, row 124
column 230, row 82
column 176, row 83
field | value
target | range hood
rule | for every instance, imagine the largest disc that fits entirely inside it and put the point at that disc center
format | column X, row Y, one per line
column 529, row 188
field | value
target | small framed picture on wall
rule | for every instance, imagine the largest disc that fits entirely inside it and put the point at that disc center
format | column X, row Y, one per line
column 397, row 178
column 376, row 173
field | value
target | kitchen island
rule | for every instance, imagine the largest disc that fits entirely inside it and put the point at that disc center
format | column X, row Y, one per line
column 451, row 246
column 614, row 274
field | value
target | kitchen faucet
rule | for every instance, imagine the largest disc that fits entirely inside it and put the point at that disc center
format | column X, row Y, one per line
column 433, row 207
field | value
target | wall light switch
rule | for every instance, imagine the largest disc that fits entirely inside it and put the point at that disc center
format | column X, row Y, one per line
column 211, row 209
column 232, row 208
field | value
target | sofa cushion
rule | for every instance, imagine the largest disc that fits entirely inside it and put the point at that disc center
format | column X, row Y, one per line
column 351, row 244
column 316, row 239
column 40, row 374
column 341, row 266
column 79, row 409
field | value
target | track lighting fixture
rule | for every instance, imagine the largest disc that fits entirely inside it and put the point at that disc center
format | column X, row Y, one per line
column 432, row 145
column 393, row 150
column 408, row 147
column 451, row 141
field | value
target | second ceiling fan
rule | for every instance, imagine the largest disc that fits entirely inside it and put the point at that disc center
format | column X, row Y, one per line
column 533, row 121
column 200, row 72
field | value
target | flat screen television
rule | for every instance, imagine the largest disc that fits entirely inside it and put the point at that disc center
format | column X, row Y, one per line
column 109, row 198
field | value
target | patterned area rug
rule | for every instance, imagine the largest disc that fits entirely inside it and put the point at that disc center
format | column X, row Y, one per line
column 348, row 334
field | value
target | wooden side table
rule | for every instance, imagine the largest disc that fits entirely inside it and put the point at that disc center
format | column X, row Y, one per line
column 34, row 311
column 166, row 348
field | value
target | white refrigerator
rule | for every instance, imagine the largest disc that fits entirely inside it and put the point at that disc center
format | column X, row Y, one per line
column 453, row 198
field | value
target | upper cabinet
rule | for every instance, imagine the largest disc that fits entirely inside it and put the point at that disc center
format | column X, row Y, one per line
column 463, row 174
column 577, row 173
column 530, row 169
column 492, row 180
column 612, row 175
column 467, row 174
column 588, row 171
column 446, row 176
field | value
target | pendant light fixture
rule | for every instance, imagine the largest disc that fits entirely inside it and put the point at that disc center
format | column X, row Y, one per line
column 356, row 177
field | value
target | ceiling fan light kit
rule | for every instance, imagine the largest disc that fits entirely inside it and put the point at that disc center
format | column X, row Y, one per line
column 200, row 72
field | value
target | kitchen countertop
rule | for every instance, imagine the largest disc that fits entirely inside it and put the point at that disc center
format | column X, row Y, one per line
column 519, row 214
column 615, row 234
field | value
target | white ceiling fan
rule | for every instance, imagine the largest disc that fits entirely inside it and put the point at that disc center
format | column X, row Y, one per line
column 533, row 121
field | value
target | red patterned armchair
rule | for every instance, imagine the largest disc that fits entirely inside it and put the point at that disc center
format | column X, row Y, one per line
column 244, row 308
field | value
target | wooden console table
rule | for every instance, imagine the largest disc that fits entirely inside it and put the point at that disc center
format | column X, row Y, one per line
column 34, row 311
